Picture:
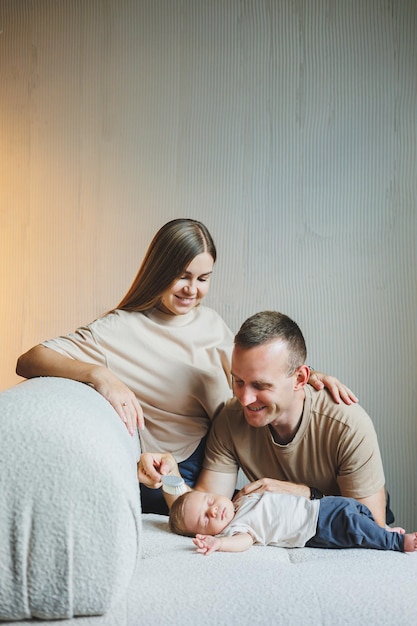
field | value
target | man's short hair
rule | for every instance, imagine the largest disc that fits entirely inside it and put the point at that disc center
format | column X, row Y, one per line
column 267, row 326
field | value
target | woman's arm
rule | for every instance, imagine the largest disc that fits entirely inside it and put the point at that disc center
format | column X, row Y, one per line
column 152, row 466
column 43, row 361
column 207, row 544
column 338, row 391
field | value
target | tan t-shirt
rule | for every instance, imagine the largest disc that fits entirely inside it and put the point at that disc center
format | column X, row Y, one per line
column 178, row 367
column 335, row 448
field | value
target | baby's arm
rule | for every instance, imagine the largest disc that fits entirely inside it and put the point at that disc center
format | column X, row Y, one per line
column 206, row 544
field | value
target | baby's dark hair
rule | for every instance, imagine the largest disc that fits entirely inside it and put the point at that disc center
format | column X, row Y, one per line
column 176, row 516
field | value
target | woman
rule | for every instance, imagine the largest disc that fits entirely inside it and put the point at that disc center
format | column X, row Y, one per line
column 158, row 355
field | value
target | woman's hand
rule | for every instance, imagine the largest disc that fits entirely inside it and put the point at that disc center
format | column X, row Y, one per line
column 122, row 399
column 43, row 361
column 338, row 391
column 153, row 465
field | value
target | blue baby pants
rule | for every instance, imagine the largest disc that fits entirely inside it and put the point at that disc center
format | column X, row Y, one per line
column 346, row 523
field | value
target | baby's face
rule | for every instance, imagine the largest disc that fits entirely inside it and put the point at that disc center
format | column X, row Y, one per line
column 207, row 513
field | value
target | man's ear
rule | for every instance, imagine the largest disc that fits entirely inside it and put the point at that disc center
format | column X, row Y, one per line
column 302, row 376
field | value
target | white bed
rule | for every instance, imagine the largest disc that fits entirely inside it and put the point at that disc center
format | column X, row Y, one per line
column 128, row 566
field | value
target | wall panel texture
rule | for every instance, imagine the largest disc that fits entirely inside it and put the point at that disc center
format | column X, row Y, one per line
column 288, row 127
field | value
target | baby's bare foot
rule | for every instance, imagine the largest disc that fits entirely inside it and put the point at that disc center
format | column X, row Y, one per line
column 396, row 529
column 410, row 542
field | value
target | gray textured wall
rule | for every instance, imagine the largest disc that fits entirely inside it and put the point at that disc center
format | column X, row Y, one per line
column 288, row 127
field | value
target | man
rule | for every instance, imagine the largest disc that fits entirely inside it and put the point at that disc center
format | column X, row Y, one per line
column 278, row 427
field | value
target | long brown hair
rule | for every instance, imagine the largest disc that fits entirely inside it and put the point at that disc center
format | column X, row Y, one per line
column 171, row 250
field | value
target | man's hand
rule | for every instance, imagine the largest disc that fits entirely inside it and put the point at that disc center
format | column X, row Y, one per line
column 153, row 465
column 338, row 390
column 397, row 529
column 274, row 486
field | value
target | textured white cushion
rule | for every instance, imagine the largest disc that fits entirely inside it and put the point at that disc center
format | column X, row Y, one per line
column 268, row 586
column 70, row 508
column 264, row 586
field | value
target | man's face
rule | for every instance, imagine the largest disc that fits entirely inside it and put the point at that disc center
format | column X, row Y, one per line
column 261, row 383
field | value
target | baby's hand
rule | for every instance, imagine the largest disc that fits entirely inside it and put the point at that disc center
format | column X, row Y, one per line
column 206, row 544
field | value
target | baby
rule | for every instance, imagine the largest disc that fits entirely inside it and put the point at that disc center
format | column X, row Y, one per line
column 217, row 523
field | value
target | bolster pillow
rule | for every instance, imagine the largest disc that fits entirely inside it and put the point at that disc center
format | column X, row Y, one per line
column 70, row 506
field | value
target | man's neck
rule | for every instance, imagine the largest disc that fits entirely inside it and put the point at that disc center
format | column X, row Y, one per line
column 286, row 427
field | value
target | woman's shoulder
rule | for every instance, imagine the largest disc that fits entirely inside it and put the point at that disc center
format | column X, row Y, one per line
column 117, row 318
column 208, row 313
column 214, row 323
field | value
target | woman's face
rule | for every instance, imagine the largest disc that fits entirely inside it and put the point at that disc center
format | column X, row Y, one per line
column 189, row 288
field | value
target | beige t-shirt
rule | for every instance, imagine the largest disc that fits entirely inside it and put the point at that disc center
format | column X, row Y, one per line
column 275, row 519
column 335, row 448
column 178, row 367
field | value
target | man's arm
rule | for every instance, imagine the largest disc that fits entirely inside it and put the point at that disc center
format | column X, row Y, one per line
column 217, row 482
column 359, row 463
column 377, row 505
column 275, row 486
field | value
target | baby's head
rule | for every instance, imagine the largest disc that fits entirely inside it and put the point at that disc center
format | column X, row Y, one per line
column 200, row 513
